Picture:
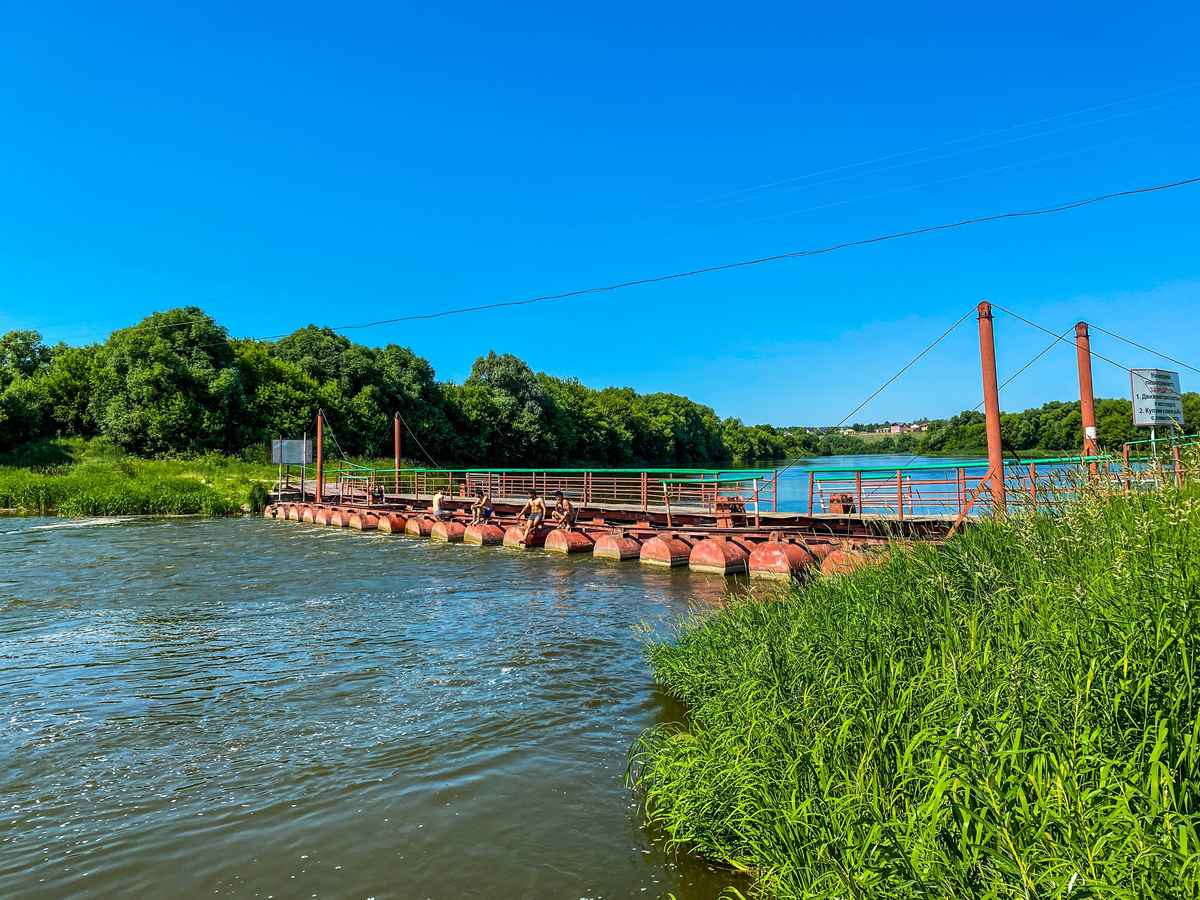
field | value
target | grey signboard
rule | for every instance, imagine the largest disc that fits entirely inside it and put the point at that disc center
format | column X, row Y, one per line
column 1156, row 397
column 291, row 453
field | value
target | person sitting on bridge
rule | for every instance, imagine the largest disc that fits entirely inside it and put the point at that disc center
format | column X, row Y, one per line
column 438, row 511
column 535, row 506
column 481, row 509
column 564, row 513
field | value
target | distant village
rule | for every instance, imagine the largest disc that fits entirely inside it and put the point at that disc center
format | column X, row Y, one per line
column 858, row 429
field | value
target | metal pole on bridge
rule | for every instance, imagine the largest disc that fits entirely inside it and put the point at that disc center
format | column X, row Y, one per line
column 396, row 442
column 1087, row 402
column 991, row 408
column 320, row 456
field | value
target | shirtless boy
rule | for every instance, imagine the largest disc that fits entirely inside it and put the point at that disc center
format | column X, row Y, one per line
column 481, row 509
column 438, row 511
column 564, row 513
column 535, row 506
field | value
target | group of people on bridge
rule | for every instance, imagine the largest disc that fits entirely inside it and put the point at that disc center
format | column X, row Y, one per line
column 533, row 512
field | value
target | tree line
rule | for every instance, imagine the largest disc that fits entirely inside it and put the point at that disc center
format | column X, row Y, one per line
column 176, row 383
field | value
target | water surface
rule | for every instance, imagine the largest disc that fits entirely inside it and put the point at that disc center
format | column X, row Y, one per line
column 254, row 708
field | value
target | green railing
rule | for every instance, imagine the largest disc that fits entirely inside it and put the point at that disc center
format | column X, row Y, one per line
column 644, row 488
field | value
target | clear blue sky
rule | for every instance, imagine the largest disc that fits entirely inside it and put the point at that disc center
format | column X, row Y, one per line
column 293, row 163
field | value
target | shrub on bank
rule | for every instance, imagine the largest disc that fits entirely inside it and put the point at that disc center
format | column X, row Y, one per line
column 1016, row 714
column 110, row 493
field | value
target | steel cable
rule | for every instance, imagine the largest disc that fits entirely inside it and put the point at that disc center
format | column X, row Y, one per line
column 911, row 363
column 1009, row 312
column 1141, row 347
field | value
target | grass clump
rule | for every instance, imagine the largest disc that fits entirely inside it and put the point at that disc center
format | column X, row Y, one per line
column 97, row 479
column 1016, row 714
column 110, row 494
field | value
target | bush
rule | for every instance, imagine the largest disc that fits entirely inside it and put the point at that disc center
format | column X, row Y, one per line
column 1012, row 715
column 257, row 497
column 104, row 489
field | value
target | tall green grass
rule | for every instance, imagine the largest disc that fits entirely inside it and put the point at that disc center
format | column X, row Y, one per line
column 1012, row 715
column 96, row 478
column 110, row 494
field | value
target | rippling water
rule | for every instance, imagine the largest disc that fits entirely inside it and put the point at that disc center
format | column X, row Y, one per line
column 264, row 709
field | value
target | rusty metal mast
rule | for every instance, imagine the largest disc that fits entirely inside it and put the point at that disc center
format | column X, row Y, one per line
column 320, row 455
column 1087, row 402
column 396, row 447
column 991, row 408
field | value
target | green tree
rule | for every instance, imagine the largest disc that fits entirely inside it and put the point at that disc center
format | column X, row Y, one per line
column 24, row 411
column 522, row 428
column 68, row 387
column 170, row 384
column 1191, row 412
column 675, row 430
column 281, row 400
column 363, row 387
column 22, row 354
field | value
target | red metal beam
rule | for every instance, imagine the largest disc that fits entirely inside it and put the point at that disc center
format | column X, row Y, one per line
column 396, row 448
column 1087, row 403
column 320, row 456
column 991, row 408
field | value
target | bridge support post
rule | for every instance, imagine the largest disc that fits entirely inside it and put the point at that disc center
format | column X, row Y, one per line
column 991, row 409
column 1087, row 402
column 320, row 456
column 396, row 448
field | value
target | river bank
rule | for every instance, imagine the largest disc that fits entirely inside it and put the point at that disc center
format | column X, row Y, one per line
column 1012, row 714
column 127, row 488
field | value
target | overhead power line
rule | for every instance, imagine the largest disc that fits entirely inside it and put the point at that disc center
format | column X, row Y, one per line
column 914, row 187
column 917, row 162
column 1042, row 211
column 904, row 153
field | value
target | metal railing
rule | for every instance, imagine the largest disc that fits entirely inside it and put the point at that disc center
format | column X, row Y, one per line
column 1038, row 484
column 637, row 488
column 733, row 499
column 899, row 492
column 904, row 492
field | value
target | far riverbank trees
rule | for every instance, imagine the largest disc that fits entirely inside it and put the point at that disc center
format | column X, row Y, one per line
column 177, row 384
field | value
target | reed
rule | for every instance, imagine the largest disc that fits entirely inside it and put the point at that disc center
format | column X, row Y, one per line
column 1015, row 714
column 110, row 493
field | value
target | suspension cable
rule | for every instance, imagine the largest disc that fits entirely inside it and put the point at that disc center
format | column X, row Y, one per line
column 436, row 464
column 911, row 363
column 1057, row 338
column 1141, row 347
column 1050, row 347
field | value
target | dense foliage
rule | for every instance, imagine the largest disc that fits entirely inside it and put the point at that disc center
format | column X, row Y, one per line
column 94, row 477
column 1014, row 715
column 177, row 384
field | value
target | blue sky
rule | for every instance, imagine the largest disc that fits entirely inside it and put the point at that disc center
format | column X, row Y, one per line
column 293, row 163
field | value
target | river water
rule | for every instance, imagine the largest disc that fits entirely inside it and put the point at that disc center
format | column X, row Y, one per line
column 251, row 708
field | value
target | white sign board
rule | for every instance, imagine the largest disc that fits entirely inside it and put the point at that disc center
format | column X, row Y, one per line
column 1156, row 397
column 291, row 453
